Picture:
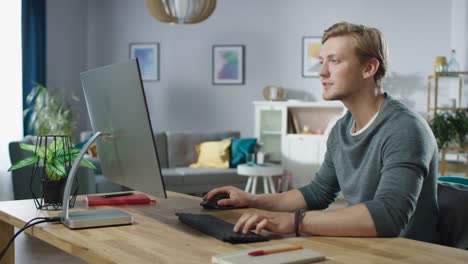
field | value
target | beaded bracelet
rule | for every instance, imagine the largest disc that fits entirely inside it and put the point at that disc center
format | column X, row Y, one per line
column 298, row 216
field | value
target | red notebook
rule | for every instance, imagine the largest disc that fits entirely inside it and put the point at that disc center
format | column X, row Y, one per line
column 136, row 198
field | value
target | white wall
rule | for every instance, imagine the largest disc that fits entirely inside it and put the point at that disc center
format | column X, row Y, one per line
column 459, row 40
column 271, row 30
column 67, row 51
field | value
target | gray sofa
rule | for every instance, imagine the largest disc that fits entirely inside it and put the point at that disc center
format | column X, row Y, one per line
column 176, row 151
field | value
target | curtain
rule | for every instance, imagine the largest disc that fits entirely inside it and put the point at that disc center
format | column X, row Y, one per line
column 33, row 20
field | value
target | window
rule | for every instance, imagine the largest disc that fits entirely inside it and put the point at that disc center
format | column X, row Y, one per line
column 11, row 116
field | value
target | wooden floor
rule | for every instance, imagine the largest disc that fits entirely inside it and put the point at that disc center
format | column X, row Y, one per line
column 30, row 250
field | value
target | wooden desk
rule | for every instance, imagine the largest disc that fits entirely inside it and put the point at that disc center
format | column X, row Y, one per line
column 158, row 237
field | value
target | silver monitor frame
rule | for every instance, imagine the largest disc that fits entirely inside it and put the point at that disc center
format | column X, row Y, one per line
column 117, row 105
column 117, row 108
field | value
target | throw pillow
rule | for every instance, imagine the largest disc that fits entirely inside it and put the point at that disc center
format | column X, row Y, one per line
column 213, row 154
column 240, row 147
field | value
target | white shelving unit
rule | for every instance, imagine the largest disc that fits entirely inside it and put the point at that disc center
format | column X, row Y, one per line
column 280, row 125
column 446, row 92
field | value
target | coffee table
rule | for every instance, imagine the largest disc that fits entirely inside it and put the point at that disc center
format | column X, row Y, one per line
column 254, row 171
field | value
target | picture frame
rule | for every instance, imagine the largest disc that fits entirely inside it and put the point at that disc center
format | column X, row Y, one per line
column 148, row 59
column 228, row 64
column 310, row 56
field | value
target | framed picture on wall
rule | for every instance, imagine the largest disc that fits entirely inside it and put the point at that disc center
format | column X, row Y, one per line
column 228, row 64
column 148, row 58
column 310, row 56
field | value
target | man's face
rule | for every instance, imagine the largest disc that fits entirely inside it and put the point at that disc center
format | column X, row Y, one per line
column 341, row 70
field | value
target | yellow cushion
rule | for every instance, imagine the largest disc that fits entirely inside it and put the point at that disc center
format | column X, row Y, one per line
column 213, row 154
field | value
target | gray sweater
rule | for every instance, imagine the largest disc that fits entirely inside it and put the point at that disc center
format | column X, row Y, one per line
column 391, row 167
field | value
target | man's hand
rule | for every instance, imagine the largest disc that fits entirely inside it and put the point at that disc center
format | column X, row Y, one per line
column 237, row 197
column 271, row 221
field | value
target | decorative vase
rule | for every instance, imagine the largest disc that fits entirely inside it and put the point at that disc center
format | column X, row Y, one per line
column 440, row 64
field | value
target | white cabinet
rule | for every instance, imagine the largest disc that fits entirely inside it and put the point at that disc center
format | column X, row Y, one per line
column 295, row 134
column 303, row 156
column 270, row 128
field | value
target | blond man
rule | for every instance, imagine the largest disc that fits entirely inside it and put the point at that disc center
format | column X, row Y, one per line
column 381, row 155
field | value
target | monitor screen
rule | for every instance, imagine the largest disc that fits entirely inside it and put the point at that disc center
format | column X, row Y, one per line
column 117, row 105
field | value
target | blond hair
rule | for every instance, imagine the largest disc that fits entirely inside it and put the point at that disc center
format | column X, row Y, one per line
column 368, row 43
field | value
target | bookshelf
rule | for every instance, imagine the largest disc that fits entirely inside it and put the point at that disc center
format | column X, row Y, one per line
column 435, row 90
column 445, row 92
column 294, row 134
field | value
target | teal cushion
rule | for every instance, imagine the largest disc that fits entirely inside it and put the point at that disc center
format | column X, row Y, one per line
column 83, row 142
column 240, row 147
column 454, row 179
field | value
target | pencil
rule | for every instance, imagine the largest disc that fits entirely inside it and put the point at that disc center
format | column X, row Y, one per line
column 116, row 194
column 276, row 250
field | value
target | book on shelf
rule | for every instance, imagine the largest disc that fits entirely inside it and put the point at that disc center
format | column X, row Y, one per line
column 290, row 126
column 293, row 123
column 303, row 255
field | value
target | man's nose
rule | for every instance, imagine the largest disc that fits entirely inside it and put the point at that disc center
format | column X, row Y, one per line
column 324, row 70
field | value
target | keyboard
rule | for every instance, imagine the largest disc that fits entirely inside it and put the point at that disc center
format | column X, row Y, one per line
column 218, row 228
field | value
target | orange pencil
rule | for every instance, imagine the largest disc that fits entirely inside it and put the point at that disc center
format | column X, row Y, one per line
column 276, row 250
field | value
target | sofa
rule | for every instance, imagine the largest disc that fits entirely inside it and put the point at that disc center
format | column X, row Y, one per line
column 176, row 151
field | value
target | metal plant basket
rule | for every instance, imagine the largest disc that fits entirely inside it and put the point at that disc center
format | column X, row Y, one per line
column 50, row 196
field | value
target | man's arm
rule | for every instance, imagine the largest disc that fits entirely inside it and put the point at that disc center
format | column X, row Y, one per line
column 351, row 221
column 279, row 202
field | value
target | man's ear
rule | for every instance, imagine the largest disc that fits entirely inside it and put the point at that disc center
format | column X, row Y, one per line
column 370, row 68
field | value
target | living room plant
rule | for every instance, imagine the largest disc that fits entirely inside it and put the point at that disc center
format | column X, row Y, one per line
column 55, row 160
column 450, row 128
column 55, row 156
column 459, row 121
column 50, row 119
column 49, row 114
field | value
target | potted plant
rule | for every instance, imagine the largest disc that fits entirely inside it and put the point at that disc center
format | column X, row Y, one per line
column 450, row 127
column 48, row 112
column 459, row 121
column 55, row 160
column 442, row 128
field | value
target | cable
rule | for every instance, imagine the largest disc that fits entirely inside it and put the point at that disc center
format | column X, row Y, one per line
column 26, row 226
column 36, row 218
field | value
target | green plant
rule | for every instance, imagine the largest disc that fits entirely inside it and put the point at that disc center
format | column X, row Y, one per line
column 450, row 127
column 49, row 113
column 459, row 121
column 442, row 129
column 55, row 158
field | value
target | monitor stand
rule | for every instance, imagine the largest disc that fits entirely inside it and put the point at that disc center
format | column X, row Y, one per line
column 89, row 218
column 97, row 218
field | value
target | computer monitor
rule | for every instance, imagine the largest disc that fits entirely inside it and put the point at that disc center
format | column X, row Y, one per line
column 116, row 103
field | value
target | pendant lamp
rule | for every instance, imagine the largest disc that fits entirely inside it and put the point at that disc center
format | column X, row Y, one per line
column 181, row 11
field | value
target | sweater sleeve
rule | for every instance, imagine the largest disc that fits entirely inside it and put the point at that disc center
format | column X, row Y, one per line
column 407, row 154
column 324, row 188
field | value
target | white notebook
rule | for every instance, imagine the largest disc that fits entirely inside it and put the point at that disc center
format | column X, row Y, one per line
column 295, row 256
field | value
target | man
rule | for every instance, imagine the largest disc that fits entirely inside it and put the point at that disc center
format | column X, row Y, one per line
column 380, row 155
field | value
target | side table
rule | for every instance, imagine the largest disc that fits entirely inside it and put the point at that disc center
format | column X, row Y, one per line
column 253, row 171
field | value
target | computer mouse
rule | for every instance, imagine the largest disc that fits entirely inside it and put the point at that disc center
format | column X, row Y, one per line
column 213, row 202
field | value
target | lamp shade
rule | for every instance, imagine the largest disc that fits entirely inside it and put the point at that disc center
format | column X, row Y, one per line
column 181, row 11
